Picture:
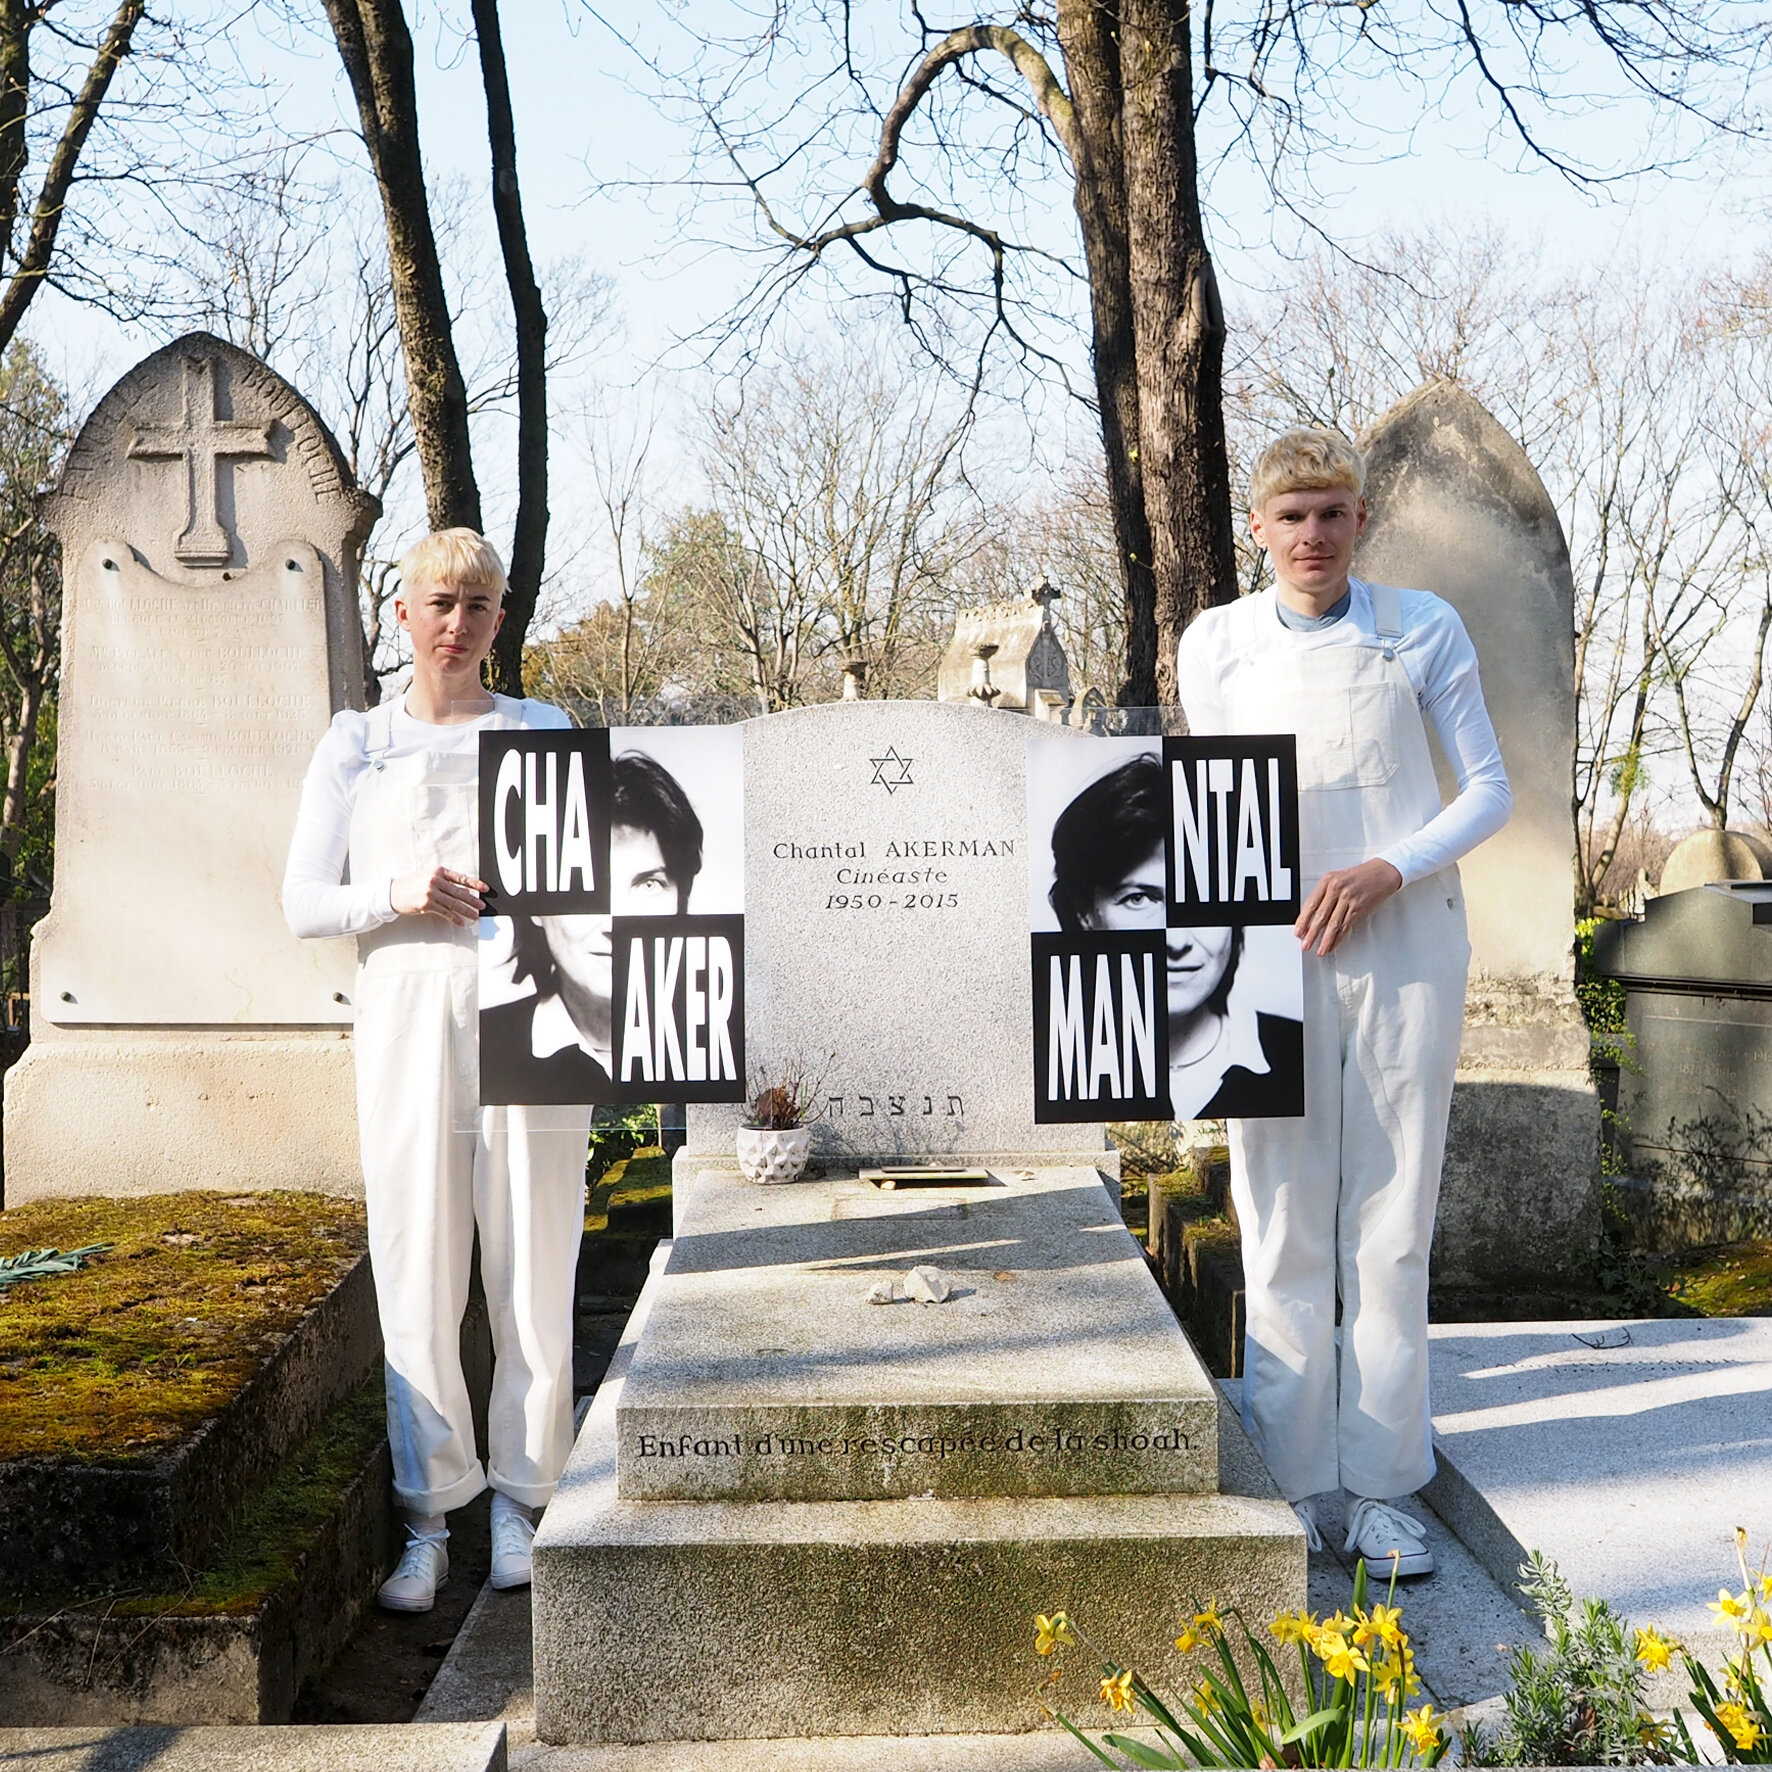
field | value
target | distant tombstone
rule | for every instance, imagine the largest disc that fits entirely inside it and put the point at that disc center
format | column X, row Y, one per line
column 886, row 941
column 1707, row 857
column 1008, row 656
column 1458, row 509
column 181, row 1037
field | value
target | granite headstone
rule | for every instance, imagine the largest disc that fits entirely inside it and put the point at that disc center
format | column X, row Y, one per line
column 886, row 935
column 181, row 1036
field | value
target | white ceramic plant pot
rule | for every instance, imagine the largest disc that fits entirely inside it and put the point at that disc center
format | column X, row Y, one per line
column 768, row 1155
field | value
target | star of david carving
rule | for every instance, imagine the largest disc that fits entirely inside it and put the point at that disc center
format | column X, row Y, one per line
column 892, row 771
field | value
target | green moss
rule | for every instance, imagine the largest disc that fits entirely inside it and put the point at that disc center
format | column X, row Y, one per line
column 261, row 1547
column 123, row 1359
column 1733, row 1280
column 643, row 1178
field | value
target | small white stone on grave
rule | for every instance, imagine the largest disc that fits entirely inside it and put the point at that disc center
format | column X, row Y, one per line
column 886, row 1292
column 928, row 1285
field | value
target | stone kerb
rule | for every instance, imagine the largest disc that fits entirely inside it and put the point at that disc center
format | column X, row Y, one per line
column 180, row 1035
column 886, row 935
column 1458, row 509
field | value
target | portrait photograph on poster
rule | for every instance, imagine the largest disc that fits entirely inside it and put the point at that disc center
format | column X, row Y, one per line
column 623, row 979
column 1143, row 1009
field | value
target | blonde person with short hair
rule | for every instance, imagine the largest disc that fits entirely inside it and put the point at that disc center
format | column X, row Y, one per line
column 386, row 849
column 1339, row 1205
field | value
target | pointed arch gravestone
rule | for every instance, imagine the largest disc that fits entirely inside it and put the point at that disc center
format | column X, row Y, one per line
column 1458, row 509
column 180, row 1035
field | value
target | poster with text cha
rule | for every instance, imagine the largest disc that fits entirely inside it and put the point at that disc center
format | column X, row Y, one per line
column 612, row 957
column 1162, row 888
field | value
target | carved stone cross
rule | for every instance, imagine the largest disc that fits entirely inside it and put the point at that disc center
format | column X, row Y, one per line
column 202, row 441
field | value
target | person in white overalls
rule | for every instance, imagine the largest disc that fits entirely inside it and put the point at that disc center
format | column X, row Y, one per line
column 1339, row 1205
column 386, row 849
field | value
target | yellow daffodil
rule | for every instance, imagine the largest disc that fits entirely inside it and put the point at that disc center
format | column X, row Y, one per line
column 1423, row 1728
column 1765, row 1582
column 1050, row 1632
column 1205, row 1696
column 1728, row 1608
column 1190, row 1640
column 1387, row 1674
column 1338, row 1624
column 1294, row 1627
column 1743, row 1729
column 1209, row 1621
column 1654, row 1651
column 1757, row 1627
column 1735, row 1672
column 1341, row 1659
column 1116, row 1690
column 1383, row 1624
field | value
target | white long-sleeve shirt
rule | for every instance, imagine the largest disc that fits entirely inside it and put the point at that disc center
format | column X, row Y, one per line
column 1441, row 663
column 317, row 899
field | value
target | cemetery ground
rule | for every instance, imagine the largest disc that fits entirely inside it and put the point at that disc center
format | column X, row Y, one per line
column 141, row 1361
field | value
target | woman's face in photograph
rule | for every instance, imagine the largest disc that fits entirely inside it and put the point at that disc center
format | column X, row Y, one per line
column 638, row 887
column 1136, row 902
column 1197, row 962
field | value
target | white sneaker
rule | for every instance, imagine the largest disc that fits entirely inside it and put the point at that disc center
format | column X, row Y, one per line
column 1311, row 1521
column 1390, row 1541
column 512, row 1537
column 424, row 1567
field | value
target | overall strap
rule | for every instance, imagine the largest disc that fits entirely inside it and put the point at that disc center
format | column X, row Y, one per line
column 378, row 739
column 1387, row 611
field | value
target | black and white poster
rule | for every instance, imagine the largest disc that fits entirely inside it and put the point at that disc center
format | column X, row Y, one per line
column 1162, row 889
column 612, row 963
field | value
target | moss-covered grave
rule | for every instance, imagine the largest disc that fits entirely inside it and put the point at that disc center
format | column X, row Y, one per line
column 130, row 1354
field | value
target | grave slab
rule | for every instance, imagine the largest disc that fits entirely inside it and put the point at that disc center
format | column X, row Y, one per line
column 361, row 1747
column 1626, row 1452
column 899, row 1617
column 1055, row 1368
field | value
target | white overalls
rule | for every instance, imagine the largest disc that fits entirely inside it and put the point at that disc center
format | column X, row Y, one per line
column 1343, row 1199
column 436, row 1164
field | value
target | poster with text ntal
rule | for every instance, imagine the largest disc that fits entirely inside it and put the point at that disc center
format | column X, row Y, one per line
column 1162, row 888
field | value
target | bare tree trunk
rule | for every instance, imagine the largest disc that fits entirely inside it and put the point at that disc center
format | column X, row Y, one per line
column 376, row 48
column 530, row 538
column 1091, row 50
column 1178, row 325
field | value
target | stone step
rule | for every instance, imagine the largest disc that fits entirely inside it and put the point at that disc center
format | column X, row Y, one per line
column 359, row 1747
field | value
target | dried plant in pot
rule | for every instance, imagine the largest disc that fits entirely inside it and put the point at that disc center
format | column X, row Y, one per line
column 774, row 1140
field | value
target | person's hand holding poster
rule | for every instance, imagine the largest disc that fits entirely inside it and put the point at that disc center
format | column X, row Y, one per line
column 1162, row 888
column 612, row 963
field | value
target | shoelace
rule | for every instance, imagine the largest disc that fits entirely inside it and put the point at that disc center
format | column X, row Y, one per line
column 415, row 1543
column 1390, row 1522
column 512, row 1536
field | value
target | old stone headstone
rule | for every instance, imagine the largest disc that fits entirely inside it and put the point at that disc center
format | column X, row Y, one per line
column 1707, row 856
column 1008, row 656
column 886, row 935
column 181, row 1037
column 1458, row 509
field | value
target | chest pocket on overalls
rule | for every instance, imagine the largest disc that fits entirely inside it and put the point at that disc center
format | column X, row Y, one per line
column 1344, row 709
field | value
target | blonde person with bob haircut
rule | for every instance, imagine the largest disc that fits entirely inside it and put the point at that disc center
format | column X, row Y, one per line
column 1339, row 1205
column 386, row 849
